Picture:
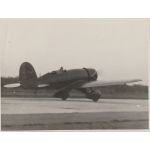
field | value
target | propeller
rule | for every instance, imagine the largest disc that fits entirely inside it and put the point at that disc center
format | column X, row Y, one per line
column 100, row 73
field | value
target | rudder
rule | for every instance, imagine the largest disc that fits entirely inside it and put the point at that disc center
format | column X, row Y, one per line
column 27, row 76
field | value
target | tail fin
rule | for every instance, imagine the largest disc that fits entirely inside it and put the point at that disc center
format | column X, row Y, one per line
column 27, row 76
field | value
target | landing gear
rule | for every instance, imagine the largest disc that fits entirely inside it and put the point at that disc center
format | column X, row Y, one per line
column 93, row 94
column 62, row 95
column 95, row 100
column 64, row 98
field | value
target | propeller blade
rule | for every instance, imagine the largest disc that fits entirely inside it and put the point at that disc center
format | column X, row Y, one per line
column 99, row 72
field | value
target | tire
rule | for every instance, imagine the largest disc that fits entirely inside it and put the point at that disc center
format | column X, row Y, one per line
column 64, row 97
column 95, row 99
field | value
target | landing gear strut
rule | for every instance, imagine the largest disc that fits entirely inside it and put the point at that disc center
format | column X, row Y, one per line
column 93, row 94
column 62, row 95
column 95, row 99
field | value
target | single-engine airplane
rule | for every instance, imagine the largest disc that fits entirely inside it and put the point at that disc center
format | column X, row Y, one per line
column 64, row 81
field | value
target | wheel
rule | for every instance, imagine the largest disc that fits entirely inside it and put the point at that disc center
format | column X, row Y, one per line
column 93, row 94
column 65, row 96
column 95, row 99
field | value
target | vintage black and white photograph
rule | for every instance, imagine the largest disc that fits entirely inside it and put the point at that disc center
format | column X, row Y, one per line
column 74, row 74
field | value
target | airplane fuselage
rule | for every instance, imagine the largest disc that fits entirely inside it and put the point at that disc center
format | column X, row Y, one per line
column 64, row 81
column 54, row 79
column 58, row 79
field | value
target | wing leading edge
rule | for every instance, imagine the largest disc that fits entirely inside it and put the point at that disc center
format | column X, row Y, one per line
column 108, row 83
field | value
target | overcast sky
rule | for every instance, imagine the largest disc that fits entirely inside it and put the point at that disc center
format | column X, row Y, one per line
column 117, row 48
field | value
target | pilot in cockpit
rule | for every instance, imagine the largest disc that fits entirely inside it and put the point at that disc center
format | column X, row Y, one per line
column 61, row 69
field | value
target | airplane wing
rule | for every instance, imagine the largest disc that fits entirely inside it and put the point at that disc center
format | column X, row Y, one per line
column 107, row 83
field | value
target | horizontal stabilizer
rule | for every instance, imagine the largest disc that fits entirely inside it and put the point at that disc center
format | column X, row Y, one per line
column 13, row 85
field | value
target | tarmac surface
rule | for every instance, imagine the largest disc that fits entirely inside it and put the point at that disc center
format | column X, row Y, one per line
column 73, row 114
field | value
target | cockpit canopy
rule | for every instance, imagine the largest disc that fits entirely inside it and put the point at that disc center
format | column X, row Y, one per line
column 61, row 70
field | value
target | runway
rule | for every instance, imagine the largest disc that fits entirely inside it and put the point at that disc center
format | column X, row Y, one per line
column 73, row 114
